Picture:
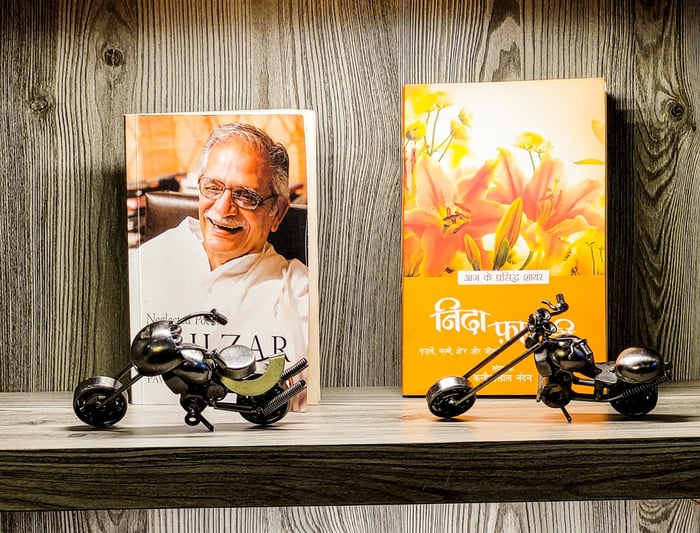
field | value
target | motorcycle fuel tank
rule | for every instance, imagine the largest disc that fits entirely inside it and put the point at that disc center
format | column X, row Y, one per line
column 154, row 350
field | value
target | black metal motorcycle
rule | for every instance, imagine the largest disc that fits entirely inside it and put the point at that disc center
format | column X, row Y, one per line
column 629, row 384
column 201, row 377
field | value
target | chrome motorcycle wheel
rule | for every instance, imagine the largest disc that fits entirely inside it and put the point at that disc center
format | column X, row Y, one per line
column 88, row 398
column 443, row 397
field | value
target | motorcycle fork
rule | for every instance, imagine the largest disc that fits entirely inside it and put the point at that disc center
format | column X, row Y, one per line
column 124, row 387
column 500, row 371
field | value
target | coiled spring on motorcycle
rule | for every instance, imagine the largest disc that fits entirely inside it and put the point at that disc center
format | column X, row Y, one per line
column 663, row 378
column 282, row 398
column 294, row 369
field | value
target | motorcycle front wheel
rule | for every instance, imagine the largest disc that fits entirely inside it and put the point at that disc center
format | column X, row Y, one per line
column 638, row 404
column 88, row 398
column 443, row 397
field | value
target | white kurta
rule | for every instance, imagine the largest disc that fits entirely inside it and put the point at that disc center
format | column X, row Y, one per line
column 264, row 296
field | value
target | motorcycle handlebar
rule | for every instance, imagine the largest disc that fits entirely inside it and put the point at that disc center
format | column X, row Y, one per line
column 560, row 307
column 218, row 317
column 211, row 316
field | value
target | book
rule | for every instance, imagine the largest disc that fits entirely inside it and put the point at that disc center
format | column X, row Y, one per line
column 190, row 253
column 503, row 207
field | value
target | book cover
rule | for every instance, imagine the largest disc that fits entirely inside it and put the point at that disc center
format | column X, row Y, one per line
column 219, row 217
column 503, row 206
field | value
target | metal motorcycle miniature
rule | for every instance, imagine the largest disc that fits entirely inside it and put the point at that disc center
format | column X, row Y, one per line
column 629, row 384
column 201, row 377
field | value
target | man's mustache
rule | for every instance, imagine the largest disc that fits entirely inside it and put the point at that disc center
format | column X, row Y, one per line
column 230, row 221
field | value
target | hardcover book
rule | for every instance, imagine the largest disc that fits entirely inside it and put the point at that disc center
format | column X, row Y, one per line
column 503, row 206
column 215, row 222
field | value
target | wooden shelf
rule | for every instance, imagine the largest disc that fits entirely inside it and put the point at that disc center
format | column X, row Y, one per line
column 360, row 446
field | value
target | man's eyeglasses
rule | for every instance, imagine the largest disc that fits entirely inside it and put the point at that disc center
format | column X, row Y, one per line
column 241, row 196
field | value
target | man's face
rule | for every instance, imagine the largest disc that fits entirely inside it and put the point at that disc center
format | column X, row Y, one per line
column 229, row 231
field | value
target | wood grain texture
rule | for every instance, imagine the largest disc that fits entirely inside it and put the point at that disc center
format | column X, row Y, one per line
column 359, row 447
column 71, row 69
column 81, row 65
column 669, row 516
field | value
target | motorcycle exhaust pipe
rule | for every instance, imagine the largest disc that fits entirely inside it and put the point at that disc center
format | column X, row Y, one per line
column 301, row 364
column 283, row 397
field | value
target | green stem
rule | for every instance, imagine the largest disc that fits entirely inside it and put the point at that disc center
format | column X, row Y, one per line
column 532, row 160
column 425, row 137
column 527, row 260
column 447, row 141
column 432, row 140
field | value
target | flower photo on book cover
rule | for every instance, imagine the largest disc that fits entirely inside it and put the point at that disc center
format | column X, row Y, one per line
column 481, row 194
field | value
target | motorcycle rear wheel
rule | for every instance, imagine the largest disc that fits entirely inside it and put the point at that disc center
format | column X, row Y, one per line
column 88, row 406
column 442, row 397
column 255, row 417
column 637, row 405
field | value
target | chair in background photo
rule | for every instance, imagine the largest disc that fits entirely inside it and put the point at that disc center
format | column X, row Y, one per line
column 166, row 209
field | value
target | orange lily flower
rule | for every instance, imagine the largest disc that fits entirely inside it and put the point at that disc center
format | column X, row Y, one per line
column 448, row 208
column 555, row 210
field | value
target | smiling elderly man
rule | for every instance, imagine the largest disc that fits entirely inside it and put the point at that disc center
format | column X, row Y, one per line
column 223, row 260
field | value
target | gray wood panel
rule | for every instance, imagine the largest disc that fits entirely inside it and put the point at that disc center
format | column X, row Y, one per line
column 79, row 66
column 71, row 69
column 669, row 516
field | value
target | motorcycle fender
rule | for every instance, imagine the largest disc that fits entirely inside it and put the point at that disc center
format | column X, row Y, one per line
column 258, row 385
column 639, row 365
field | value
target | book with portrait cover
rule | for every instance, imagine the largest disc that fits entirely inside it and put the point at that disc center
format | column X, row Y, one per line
column 189, row 253
column 503, row 207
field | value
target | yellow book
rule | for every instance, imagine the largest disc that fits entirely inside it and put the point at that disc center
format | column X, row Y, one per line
column 503, row 206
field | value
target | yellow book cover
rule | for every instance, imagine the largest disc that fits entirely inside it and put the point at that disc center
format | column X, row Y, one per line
column 503, row 206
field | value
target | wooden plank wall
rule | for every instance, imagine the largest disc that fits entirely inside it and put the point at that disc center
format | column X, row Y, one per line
column 71, row 69
column 667, row 516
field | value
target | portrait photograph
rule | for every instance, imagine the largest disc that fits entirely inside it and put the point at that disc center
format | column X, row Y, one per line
column 221, row 215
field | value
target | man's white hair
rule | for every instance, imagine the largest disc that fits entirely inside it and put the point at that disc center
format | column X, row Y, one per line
column 272, row 152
